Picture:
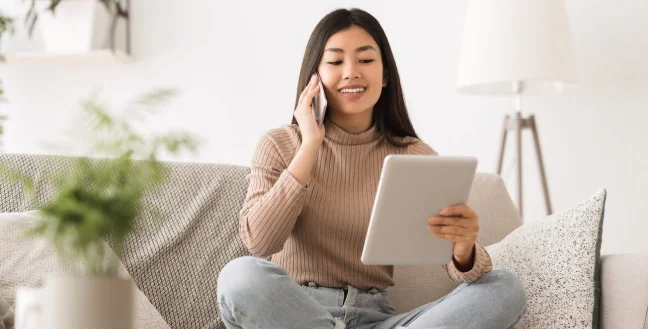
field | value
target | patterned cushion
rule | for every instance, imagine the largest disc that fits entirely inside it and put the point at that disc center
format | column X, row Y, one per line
column 27, row 262
column 558, row 260
column 175, row 262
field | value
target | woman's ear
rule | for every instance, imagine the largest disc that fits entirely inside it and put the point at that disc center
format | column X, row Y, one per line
column 384, row 82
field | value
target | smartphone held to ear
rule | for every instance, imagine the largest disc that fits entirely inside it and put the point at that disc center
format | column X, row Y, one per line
column 319, row 103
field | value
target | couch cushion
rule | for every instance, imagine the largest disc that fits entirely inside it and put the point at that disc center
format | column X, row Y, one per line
column 624, row 293
column 558, row 261
column 27, row 262
column 174, row 262
column 498, row 216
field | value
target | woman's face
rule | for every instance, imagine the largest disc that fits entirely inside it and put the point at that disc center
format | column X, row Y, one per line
column 351, row 71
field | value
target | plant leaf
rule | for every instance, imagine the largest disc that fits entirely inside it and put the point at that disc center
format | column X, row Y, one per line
column 53, row 4
column 100, row 199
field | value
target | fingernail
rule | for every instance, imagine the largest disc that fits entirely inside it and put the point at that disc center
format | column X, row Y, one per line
column 444, row 211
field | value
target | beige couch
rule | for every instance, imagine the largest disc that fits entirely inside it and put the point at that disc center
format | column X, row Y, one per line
column 176, row 262
column 624, row 277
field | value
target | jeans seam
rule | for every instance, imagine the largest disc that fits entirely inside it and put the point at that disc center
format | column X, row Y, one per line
column 347, row 315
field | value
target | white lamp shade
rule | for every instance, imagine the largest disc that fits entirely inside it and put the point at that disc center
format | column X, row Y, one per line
column 507, row 41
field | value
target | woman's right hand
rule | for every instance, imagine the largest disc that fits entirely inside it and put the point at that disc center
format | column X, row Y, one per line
column 311, row 132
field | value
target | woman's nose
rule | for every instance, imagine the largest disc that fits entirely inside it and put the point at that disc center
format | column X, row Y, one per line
column 351, row 71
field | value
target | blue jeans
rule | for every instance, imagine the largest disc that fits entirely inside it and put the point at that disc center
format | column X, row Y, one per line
column 254, row 293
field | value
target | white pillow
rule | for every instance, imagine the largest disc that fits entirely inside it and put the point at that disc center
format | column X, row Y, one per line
column 26, row 262
column 558, row 261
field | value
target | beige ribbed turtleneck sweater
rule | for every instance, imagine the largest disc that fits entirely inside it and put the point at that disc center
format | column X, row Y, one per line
column 317, row 232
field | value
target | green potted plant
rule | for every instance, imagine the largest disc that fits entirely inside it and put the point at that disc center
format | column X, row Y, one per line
column 99, row 199
column 72, row 26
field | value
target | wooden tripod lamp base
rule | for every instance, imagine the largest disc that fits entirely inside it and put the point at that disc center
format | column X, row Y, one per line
column 516, row 123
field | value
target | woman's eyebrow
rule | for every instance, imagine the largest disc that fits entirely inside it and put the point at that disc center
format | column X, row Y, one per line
column 359, row 49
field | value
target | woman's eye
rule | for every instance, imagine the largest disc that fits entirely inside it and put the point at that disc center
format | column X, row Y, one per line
column 363, row 61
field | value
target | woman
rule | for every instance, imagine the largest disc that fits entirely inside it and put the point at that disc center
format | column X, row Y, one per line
column 309, row 202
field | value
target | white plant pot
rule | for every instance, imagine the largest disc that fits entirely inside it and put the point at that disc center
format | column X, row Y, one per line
column 79, row 26
column 77, row 303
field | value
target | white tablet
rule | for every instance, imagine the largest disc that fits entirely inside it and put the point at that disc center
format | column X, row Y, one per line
column 411, row 189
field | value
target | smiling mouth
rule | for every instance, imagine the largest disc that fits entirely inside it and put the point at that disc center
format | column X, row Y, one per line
column 352, row 90
column 353, row 94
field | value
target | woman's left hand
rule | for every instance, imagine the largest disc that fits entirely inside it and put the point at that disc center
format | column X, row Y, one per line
column 459, row 224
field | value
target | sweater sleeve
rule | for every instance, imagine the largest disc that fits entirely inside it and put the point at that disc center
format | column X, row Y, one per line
column 273, row 202
column 481, row 266
column 482, row 263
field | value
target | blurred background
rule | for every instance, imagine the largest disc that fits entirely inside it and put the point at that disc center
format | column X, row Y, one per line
column 236, row 63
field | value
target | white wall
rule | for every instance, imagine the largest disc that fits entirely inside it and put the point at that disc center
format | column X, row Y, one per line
column 236, row 65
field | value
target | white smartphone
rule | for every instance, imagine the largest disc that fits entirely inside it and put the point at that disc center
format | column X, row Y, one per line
column 319, row 103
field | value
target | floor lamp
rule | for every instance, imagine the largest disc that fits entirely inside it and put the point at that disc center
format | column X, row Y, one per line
column 511, row 47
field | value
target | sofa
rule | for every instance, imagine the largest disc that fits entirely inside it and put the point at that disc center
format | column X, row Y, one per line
column 175, row 261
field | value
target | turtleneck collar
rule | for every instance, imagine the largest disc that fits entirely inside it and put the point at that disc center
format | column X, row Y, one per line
column 336, row 134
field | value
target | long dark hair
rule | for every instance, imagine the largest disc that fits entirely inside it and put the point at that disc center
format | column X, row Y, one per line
column 390, row 113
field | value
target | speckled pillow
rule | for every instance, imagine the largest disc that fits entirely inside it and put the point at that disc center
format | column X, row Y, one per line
column 558, row 260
